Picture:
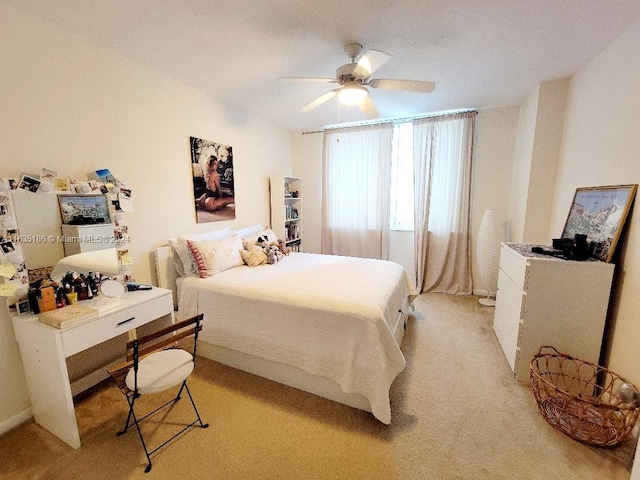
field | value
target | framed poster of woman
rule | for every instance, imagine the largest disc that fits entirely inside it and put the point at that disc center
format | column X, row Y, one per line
column 600, row 214
column 213, row 182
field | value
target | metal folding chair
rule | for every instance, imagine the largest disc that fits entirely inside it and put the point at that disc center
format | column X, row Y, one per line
column 156, row 364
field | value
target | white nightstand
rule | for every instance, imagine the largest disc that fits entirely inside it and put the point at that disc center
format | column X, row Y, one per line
column 44, row 351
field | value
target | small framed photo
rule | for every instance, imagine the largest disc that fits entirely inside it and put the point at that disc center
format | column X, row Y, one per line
column 84, row 209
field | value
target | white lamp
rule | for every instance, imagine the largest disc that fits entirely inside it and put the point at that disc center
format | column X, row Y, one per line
column 352, row 94
column 490, row 236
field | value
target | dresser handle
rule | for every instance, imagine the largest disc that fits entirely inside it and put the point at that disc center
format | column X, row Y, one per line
column 125, row 321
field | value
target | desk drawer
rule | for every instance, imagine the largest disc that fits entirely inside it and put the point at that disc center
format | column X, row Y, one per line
column 111, row 325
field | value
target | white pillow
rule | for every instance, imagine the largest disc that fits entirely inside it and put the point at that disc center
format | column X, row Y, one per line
column 243, row 232
column 253, row 238
column 214, row 256
column 183, row 260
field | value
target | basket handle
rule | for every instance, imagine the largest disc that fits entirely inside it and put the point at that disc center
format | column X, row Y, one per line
column 549, row 347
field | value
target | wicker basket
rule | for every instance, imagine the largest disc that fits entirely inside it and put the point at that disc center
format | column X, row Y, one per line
column 581, row 399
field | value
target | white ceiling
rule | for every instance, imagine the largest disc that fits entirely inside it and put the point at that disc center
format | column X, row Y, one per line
column 480, row 53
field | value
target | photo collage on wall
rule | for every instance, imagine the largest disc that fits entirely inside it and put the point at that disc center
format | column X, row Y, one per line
column 101, row 198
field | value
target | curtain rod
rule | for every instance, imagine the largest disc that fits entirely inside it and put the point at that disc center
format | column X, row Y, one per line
column 392, row 120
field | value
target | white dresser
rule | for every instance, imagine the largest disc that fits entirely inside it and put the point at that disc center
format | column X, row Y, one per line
column 543, row 300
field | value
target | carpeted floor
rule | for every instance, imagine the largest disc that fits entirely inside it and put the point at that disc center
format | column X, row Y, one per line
column 457, row 413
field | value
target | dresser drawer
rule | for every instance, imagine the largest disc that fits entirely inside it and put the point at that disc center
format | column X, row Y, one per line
column 110, row 325
column 503, row 328
column 514, row 266
column 509, row 301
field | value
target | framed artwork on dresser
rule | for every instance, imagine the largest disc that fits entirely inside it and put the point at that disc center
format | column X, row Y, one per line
column 600, row 214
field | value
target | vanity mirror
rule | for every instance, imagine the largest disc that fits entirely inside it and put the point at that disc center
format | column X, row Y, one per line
column 47, row 243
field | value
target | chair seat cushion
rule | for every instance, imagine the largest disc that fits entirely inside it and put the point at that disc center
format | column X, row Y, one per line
column 161, row 370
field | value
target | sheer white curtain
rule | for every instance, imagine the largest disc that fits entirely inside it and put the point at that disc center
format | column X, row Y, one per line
column 355, row 214
column 443, row 149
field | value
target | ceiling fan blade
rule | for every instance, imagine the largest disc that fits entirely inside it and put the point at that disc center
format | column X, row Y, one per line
column 309, row 79
column 406, row 85
column 320, row 100
column 369, row 108
column 372, row 60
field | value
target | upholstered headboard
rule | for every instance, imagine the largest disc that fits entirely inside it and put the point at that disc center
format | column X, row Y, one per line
column 166, row 270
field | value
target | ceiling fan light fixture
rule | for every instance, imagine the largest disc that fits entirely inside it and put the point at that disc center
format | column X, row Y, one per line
column 353, row 94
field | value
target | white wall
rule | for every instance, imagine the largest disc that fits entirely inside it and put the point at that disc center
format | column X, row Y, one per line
column 522, row 165
column 495, row 142
column 538, row 147
column 544, row 161
column 70, row 106
column 601, row 146
column 307, row 164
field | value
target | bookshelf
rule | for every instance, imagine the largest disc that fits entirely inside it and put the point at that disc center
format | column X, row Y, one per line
column 286, row 210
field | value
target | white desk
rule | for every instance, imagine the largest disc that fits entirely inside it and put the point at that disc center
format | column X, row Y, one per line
column 44, row 351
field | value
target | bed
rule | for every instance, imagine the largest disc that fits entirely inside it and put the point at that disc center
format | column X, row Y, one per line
column 325, row 324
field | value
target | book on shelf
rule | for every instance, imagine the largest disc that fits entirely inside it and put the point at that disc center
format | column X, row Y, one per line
column 68, row 316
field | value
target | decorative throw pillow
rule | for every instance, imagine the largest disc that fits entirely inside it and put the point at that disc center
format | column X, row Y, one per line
column 254, row 256
column 182, row 255
column 214, row 256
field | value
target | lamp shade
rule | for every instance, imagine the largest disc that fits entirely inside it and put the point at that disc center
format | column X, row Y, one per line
column 352, row 94
column 490, row 236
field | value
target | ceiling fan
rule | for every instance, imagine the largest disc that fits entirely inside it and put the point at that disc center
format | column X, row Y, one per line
column 355, row 77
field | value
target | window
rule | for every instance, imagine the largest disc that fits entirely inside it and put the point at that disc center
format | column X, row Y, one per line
column 401, row 208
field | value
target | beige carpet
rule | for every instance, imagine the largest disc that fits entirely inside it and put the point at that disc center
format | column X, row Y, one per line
column 457, row 413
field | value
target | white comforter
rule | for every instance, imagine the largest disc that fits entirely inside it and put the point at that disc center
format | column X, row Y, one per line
column 327, row 315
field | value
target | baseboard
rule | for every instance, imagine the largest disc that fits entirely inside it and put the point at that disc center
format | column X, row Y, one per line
column 16, row 420
column 483, row 293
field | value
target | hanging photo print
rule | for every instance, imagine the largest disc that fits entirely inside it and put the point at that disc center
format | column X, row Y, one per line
column 213, row 188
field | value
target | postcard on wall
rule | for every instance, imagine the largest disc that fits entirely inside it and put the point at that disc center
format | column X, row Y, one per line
column 103, row 175
column 47, row 175
column 213, row 180
column 12, row 183
column 125, row 201
column 61, row 184
column 29, row 183
column 7, row 269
